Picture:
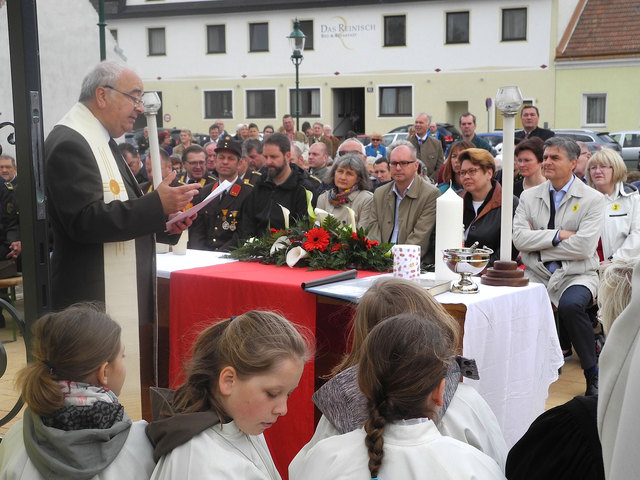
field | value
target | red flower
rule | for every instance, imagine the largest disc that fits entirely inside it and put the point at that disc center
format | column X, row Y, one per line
column 275, row 230
column 354, row 235
column 372, row 243
column 337, row 247
column 317, row 239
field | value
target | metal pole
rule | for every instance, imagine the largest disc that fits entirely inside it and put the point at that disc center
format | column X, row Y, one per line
column 101, row 28
column 27, row 107
column 297, row 63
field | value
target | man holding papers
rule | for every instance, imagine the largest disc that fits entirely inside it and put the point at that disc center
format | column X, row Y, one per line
column 103, row 226
column 216, row 227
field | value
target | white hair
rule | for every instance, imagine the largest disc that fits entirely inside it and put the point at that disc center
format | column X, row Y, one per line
column 105, row 73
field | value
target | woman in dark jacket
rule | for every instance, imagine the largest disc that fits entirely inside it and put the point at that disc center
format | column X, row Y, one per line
column 482, row 201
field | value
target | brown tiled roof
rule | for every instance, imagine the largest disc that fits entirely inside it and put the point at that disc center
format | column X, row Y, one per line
column 605, row 29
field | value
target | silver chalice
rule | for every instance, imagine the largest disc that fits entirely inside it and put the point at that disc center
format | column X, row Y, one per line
column 466, row 262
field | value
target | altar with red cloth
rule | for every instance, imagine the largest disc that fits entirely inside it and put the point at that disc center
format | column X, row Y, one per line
column 201, row 296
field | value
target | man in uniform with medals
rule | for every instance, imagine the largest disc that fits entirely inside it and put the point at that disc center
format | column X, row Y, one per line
column 216, row 226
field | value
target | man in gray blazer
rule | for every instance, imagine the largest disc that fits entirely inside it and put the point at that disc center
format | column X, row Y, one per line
column 404, row 210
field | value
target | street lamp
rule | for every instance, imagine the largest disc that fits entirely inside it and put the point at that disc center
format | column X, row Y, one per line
column 296, row 42
column 505, row 271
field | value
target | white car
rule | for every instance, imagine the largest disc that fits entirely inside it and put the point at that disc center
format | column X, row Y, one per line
column 630, row 143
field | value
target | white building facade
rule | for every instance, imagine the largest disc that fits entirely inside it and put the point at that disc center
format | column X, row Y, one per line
column 376, row 65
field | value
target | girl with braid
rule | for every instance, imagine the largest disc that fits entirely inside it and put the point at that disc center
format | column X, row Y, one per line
column 464, row 415
column 402, row 373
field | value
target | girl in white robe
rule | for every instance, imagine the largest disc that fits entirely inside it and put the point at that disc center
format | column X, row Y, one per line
column 465, row 415
column 74, row 426
column 402, row 370
column 242, row 372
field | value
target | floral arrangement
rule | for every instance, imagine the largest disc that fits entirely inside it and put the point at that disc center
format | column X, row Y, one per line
column 327, row 244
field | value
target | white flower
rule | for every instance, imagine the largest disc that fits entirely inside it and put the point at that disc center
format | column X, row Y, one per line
column 295, row 254
column 279, row 244
column 321, row 214
column 285, row 213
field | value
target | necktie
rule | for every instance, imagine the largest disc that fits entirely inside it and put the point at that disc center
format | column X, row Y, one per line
column 552, row 216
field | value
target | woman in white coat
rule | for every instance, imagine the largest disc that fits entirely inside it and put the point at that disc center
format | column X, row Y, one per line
column 73, row 426
column 620, row 236
column 350, row 185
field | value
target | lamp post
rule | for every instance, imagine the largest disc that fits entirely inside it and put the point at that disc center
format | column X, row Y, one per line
column 296, row 42
column 505, row 271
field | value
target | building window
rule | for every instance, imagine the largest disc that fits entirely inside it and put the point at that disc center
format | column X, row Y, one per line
column 261, row 103
column 259, row 37
column 309, row 102
column 395, row 32
column 156, row 41
column 395, row 102
column 307, row 28
column 457, row 27
column 514, row 24
column 218, row 104
column 594, row 109
column 216, row 41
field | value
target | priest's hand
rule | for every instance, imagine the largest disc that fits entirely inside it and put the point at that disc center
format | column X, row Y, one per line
column 174, row 199
column 179, row 227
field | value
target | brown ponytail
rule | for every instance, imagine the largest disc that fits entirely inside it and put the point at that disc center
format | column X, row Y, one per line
column 251, row 343
column 68, row 345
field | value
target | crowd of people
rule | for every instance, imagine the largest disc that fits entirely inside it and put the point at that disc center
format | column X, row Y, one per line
column 394, row 407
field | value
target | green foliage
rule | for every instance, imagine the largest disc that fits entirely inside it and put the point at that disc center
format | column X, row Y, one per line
column 331, row 246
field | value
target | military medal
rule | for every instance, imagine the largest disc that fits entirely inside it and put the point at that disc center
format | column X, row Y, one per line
column 225, row 224
column 232, row 226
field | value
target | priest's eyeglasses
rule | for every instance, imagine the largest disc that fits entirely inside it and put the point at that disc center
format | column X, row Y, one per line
column 137, row 102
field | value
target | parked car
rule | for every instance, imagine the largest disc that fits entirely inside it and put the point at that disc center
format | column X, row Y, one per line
column 595, row 140
column 630, row 143
column 364, row 139
column 494, row 138
column 389, row 138
column 450, row 132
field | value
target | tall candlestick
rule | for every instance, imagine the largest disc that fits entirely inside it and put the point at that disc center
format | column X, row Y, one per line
column 152, row 104
column 506, row 219
column 449, row 230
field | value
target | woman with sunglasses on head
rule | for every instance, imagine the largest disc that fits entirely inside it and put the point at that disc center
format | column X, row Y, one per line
column 449, row 174
column 620, row 236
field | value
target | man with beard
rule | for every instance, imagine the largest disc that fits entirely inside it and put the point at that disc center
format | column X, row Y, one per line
column 281, row 187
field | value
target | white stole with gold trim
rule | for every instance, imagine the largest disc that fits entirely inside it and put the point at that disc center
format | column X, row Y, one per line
column 120, row 278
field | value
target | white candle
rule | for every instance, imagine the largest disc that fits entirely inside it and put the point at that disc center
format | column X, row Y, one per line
column 449, row 230
column 506, row 219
